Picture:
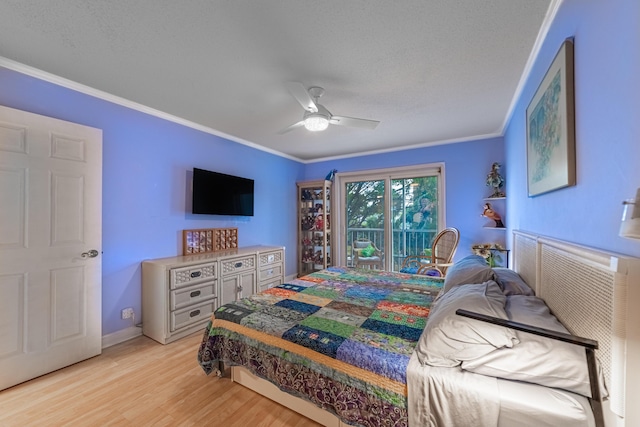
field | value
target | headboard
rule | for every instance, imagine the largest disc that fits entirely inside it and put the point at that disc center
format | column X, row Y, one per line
column 595, row 294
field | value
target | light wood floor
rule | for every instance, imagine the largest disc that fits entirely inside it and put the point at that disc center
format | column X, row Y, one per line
column 141, row 383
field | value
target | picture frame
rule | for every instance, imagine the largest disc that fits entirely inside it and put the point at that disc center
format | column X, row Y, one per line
column 550, row 139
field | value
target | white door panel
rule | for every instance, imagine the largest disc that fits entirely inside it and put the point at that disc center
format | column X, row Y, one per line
column 50, row 214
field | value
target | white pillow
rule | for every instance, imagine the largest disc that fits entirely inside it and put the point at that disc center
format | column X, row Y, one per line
column 537, row 359
column 469, row 270
column 511, row 282
column 449, row 339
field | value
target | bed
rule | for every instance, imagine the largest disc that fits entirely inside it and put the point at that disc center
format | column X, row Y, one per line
column 341, row 337
column 347, row 347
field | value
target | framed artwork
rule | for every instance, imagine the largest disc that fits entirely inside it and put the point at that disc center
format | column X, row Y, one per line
column 551, row 154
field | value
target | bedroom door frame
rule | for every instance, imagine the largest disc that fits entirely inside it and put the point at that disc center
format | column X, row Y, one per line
column 339, row 228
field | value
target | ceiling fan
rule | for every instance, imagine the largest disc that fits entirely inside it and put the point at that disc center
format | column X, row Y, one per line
column 316, row 117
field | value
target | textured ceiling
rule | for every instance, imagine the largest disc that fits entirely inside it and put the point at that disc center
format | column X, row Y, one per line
column 431, row 71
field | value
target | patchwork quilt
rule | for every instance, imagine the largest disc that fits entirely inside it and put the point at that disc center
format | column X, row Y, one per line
column 340, row 338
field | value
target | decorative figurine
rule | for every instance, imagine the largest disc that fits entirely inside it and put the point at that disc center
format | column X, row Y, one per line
column 491, row 214
column 495, row 180
column 331, row 175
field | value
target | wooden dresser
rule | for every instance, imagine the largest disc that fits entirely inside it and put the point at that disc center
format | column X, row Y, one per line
column 180, row 293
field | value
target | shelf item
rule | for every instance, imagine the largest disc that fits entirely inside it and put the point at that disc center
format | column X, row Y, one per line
column 495, row 256
column 494, row 211
column 314, row 226
column 179, row 294
column 206, row 240
column 493, row 215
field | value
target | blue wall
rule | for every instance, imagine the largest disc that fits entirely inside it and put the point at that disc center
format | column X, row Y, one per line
column 146, row 165
column 607, row 101
column 147, row 159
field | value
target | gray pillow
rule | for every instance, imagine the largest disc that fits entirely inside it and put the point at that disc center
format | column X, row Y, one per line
column 537, row 359
column 511, row 282
column 449, row 339
column 469, row 270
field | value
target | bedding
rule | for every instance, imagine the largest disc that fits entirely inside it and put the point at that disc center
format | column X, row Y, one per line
column 361, row 344
column 511, row 282
column 449, row 339
column 470, row 269
column 436, row 399
column 537, row 359
column 341, row 338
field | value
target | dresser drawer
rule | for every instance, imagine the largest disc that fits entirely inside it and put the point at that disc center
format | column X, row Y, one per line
column 270, row 272
column 184, row 297
column 236, row 265
column 263, row 286
column 268, row 258
column 190, row 315
column 186, row 276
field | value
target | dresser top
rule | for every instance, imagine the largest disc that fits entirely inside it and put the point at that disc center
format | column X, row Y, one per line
column 213, row 256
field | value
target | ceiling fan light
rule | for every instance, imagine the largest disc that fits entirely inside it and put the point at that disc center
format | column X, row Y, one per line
column 316, row 123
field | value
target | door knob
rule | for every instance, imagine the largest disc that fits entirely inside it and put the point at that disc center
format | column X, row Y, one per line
column 90, row 254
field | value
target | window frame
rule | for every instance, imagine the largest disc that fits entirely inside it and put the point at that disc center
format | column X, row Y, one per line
column 387, row 174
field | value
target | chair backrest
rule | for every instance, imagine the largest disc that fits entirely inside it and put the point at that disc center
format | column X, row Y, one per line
column 444, row 246
column 361, row 244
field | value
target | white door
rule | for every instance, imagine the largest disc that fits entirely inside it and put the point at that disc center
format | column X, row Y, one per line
column 50, row 244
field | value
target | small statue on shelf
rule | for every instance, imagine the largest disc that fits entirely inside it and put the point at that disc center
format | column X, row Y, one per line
column 495, row 180
column 491, row 214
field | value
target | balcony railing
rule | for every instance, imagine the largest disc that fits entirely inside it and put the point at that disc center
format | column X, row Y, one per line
column 405, row 242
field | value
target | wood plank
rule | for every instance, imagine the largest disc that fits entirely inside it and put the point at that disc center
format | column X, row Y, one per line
column 141, row 382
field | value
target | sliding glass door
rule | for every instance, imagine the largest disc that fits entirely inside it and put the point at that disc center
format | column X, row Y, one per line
column 399, row 211
column 414, row 213
column 365, row 214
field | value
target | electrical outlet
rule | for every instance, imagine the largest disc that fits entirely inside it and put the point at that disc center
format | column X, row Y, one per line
column 127, row 313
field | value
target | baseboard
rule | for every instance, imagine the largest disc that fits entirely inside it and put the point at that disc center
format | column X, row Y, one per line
column 121, row 336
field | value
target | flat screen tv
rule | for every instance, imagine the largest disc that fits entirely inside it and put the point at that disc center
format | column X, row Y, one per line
column 217, row 193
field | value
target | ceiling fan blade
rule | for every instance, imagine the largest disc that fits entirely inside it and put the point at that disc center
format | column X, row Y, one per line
column 353, row 122
column 292, row 127
column 301, row 94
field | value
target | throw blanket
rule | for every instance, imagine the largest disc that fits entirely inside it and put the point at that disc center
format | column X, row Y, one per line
column 341, row 338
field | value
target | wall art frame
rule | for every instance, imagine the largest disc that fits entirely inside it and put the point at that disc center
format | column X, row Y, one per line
column 551, row 145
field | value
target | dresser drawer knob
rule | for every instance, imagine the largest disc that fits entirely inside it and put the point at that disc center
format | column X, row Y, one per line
column 194, row 313
column 195, row 294
column 196, row 274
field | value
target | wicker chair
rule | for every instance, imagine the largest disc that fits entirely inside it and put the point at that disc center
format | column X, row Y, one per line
column 375, row 261
column 443, row 249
